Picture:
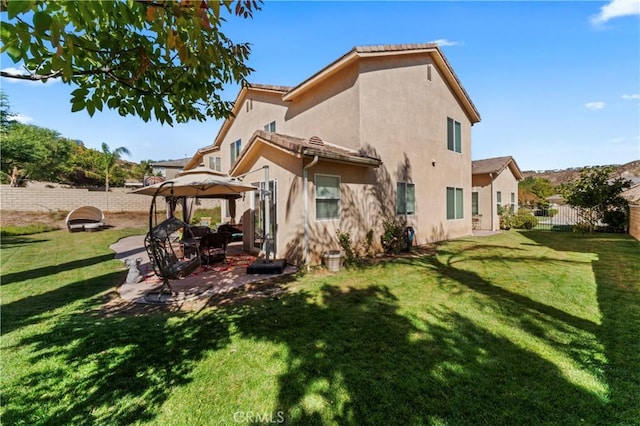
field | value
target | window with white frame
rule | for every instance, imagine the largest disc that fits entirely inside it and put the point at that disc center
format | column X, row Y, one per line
column 513, row 202
column 235, row 150
column 454, row 203
column 215, row 163
column 454, row 135
column 327, row 197
column 405, row 198
column 499, row 202
column 271, row 127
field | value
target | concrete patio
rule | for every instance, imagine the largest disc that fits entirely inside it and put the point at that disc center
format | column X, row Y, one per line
column 206, row 282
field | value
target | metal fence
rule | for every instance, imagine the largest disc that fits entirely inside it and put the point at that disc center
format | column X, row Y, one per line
column 557, row 218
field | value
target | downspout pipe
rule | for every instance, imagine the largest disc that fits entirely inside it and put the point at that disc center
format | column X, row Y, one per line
column 305, row 192
column 493, row 218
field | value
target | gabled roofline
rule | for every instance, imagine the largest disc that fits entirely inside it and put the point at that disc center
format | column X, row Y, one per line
column 237, row 104
column 299, row 148
column 509, row 162
column 390, row 50
column 197, row 157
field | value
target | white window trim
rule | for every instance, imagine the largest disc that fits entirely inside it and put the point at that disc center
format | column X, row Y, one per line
column 315, row 197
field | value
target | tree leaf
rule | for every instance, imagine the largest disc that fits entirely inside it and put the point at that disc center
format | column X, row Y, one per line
column 14, row 53
column 16, row 7
column 55, row 33
column 41, row 22
column 77, row 106
column 91, row 109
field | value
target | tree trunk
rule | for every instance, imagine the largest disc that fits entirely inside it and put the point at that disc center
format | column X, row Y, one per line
column 15, row 176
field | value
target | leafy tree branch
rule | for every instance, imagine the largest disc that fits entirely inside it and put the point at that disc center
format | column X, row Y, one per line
column 166, row 60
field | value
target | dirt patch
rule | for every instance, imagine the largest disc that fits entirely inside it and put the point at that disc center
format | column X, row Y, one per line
column 116, row 220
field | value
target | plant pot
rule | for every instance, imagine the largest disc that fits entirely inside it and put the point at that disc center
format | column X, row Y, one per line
column 333, row 260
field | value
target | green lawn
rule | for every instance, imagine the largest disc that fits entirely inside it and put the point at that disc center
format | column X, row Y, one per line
column 519, row 328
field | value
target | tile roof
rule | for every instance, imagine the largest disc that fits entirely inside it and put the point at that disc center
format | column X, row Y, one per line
column 271, row 87
column 171, row 163
column 494, row 165
column 394, row 47
column 311, row 147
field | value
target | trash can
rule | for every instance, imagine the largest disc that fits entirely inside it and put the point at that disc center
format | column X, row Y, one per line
column 332, row 260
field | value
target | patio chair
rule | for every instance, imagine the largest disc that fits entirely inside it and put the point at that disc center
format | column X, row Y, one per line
column 85, row 218
column 213, row 247
column 172, row 257
column 199, row 231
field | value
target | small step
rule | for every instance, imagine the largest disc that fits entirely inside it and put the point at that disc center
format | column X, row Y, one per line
column 263, row 266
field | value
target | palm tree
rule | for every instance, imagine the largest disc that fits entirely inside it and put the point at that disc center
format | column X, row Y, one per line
column 109, row 160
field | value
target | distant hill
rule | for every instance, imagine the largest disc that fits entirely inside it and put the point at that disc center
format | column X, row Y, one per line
column 556, row 177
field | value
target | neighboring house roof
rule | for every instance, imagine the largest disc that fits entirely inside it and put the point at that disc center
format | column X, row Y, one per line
column 496, row 166
column 556, row 199
column 287, row 93
column 632, row 194
column 171, row 163
column 314, row 146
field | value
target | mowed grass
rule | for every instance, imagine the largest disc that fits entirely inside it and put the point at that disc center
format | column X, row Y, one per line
column 522, row 327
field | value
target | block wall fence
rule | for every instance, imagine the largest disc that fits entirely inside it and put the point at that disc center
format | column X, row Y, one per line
column 634, row 221
column 43, row 199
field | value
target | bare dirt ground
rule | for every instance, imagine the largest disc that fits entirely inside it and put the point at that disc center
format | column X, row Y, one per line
column 117, row 220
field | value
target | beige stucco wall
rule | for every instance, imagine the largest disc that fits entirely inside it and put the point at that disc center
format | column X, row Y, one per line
column 330, row 111
column 404, row 121
column 360, row 205
column 264, row 107
column 487, row 189
column 634, row 221
column 386, row 107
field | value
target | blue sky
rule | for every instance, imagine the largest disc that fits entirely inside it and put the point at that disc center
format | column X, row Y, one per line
column 557, row 83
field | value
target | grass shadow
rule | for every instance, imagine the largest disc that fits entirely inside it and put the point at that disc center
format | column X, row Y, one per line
column 354, row 358
column 53, row 269
column 110, row 370
column 617, row 275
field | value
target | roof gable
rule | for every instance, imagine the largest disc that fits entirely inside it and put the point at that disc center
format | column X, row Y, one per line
column 288, row 93
column 358, row 52
column 496, row 166
column 300, row 147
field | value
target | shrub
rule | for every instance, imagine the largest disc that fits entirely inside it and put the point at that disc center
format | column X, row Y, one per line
column 524, row 220
column 344, row 239
column 392, row 238
column 368, row 243
column 552, row 212
column 616, row 220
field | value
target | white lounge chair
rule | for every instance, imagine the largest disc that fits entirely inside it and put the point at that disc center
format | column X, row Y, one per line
column 85, row 218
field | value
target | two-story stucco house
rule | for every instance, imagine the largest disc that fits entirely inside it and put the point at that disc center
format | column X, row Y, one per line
column 495, row 187
column 383, row 132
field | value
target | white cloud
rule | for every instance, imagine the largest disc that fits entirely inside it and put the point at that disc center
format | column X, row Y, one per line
column 616, row 9
column 444, row 42
column 594, row 106
column 21, row 118
column 634, row 96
